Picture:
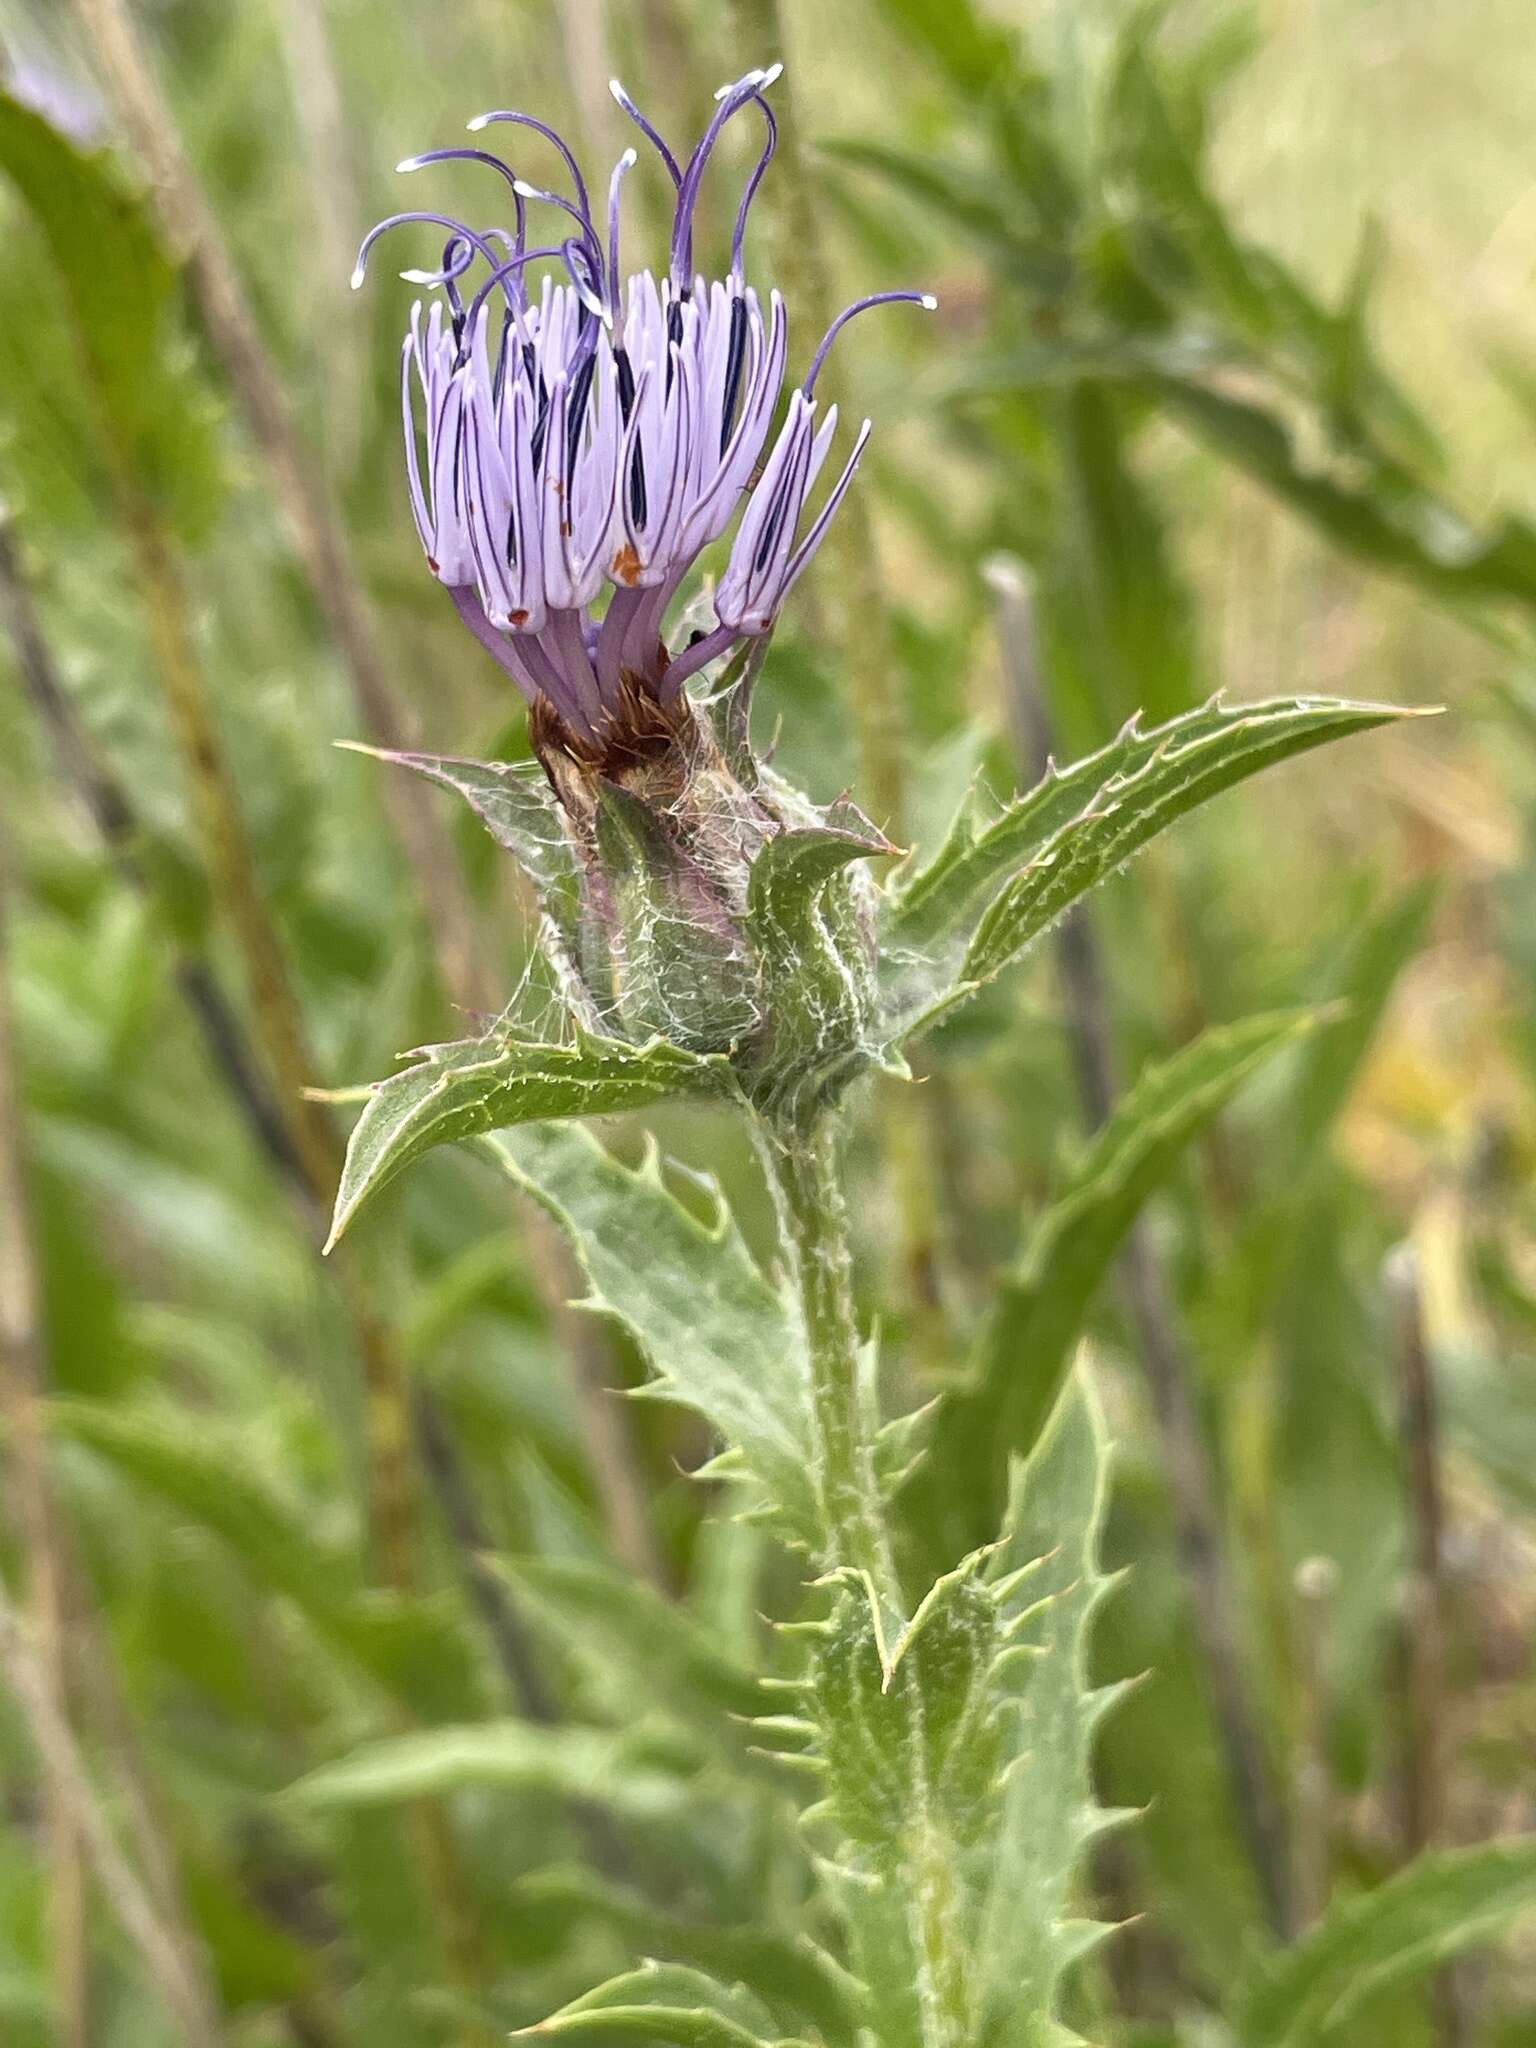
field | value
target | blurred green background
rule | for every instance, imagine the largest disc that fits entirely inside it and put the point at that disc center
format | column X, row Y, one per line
column 1236, row 365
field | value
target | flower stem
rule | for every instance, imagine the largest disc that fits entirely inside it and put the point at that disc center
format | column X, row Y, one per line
column 802, row 1170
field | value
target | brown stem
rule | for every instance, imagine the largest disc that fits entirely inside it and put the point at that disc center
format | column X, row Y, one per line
column 109, row 805
column 1312, row 1836
column 1199, row 1528
column 321, row 545
column 23, row 1377
column 1424, row 1623
column 177, row 1975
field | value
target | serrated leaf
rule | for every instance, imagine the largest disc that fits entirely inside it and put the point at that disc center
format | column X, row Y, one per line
column 515, row 804
column 804, row 927
column 478, row 1085
column 665, row 2002
column 979, row 852
column 1048, row 1818
column 518, row 1756
column 120, row 287
column 1125, row 814
column 717, row 1336
column 1024, row 1350
column 1443, row 1902
column 908, row 1722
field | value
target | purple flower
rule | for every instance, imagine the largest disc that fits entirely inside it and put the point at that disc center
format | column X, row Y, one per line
column 574, row 443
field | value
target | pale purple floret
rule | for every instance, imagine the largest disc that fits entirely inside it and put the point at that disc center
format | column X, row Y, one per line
column 590, row 433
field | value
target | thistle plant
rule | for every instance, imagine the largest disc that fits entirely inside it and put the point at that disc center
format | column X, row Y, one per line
column 578, row 441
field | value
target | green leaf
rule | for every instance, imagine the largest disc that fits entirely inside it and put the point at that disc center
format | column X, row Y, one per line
column 645, row 1647
column 413, row 1650
column 1153, row 155
column 665, row 2002
column 787, row 1972
column 1392, row 522
column 806, row 928
column 907, row 1739
column 1360, row 985
column 1117, row 621
column 1024, row 1351
column 979, row 852
column 519, row 1756
column 120, row 288
column 1443, row 1902
column 1130, row 810
column 1051, row 1587
column 915, row 1713
column 516, row 805
column 968, row 199
column 478, row 1085
column 974, row 54
column 718, row 1338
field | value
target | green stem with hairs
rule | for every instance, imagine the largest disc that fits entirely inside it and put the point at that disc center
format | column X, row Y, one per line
column 804, row 1174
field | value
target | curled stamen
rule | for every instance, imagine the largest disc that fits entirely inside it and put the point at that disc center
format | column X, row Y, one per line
column 731, row 99
column 457, row 258
column 625, row 164
column 674, row 168
column 456, row 228
column 770, row 144
column 609, row 427
column 513, row 268
column 926, row 300
column 543, row 128
column 589, row 238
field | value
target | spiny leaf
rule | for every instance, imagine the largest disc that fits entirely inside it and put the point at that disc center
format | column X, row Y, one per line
column 981, row 852
column 914, row 1714
column 517, row 1756
column 478, row 1085
column 715, row 1334
column 1048, row 1815
column 517, row 807
column 1444, row 1901
column 803, row 925
column 1129, row 811
column 1025, row 1346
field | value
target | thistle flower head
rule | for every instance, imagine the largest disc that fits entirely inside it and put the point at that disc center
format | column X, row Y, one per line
column 576, row 436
